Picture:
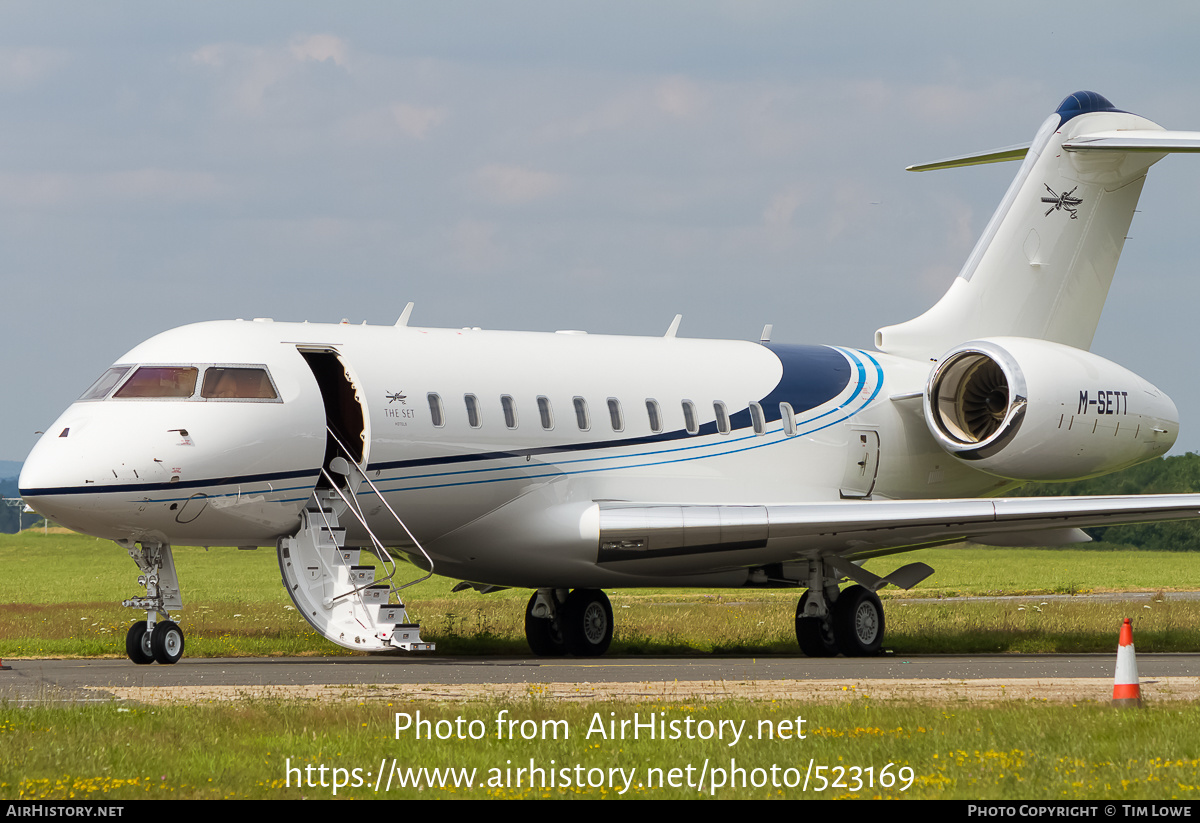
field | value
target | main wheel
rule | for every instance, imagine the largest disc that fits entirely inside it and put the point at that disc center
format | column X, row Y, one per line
column 543, row 634
column 167, row 642
column 586, row 622
column 858, row 622
column 137, row 644
column 814, row 634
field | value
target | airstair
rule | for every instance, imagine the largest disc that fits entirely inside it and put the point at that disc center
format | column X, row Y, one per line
column 355, row 605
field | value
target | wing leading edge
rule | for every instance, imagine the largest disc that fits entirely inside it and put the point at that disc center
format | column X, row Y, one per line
column 856, row 530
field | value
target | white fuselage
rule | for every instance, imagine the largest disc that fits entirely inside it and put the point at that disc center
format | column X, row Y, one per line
column 475, row 487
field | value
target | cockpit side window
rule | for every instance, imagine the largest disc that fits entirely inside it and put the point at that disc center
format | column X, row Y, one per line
column 228, row 383
column 160, row 381
column 100, row 389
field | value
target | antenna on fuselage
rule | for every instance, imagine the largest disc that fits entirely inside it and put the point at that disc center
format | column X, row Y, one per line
column 674, row 326
column 404, row 315
column 765, row 337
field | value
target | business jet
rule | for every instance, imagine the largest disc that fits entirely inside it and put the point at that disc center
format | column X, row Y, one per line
column 566, row 462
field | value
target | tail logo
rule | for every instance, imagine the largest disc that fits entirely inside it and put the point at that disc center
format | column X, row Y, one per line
column 1064, row 202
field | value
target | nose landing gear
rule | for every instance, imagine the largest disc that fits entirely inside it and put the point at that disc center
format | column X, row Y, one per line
column 152, row 639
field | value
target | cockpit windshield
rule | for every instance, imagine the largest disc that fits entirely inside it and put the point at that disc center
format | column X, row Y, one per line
column 224, row 382
column 104, row 385
column 160, row 381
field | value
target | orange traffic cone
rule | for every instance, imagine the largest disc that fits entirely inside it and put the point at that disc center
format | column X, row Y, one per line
column 1126, row 689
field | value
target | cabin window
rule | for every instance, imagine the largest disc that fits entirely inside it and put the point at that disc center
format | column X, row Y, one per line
column 789, row 419
column 100, row 389
column 614, row 414
column 226, row 383
column 757, row 419
column 473, row 418
column 581, row 414
column 436, row 411
column 510, row 411
column 722, row 415
column 655, row 415
column 160, row 381
column 545, row 413
column 689, row 417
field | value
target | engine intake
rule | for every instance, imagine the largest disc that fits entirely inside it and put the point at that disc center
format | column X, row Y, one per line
column 977, row 398
column 1036, row 410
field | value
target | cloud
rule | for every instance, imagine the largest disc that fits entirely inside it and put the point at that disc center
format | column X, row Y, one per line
column 253, row 71
column 22, row 68
column 416, row 121
column 777, row 216
column 680, row 97
column 320, row 47
column 514, row 185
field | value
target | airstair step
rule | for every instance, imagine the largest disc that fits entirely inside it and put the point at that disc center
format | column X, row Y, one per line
column 337, row 594
column 376, row 595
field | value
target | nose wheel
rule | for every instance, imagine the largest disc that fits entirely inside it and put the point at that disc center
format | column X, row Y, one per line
column 154, row 639
column 163, row 643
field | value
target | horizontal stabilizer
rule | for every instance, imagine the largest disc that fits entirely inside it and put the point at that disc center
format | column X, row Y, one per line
column 1148, row 140
column 978, row 159
column 1157, row 140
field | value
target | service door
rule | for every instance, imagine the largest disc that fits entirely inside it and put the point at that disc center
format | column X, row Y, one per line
column 862, row 463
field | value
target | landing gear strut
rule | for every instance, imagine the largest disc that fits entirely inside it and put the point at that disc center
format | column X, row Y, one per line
column 153, row 639
column 579, row 623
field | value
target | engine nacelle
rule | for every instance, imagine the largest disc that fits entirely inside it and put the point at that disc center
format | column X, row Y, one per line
column 1035, row 410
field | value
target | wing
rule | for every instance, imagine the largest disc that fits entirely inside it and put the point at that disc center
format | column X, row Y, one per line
column 731, row 536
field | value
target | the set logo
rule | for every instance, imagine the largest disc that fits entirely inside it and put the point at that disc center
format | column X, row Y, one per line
column 1064, row 202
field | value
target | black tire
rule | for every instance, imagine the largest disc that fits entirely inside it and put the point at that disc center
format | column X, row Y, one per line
column 858, row 622
column 167, row 642
column 587, row 622
column 815, row 639
column 137, row 644
column 543, row 634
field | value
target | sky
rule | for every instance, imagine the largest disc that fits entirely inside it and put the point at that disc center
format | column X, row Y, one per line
column 549, row 165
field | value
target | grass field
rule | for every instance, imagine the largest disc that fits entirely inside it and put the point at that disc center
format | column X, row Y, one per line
column 264, row 749
column 60, row 596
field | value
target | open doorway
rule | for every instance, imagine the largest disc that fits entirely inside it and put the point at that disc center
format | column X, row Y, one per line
column 343, row 409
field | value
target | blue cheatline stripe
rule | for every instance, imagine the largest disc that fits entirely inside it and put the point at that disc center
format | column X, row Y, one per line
column 771, row 438
column 132, row 488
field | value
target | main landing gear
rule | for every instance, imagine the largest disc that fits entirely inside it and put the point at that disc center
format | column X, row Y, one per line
column 578, row 623
column 829, row 622
column 853, row 626
column 152, row 639
column 850, row 621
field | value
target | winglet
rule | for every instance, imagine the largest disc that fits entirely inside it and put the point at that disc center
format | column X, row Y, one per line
column 404, row 315
column 674, row 326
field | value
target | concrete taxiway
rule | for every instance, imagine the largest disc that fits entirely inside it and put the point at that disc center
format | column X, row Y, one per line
column 1048, row 676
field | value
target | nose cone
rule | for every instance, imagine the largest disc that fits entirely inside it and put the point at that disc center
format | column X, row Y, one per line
column 51, row 469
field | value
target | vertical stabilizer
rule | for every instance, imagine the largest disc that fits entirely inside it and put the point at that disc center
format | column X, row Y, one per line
column 1046, row 258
